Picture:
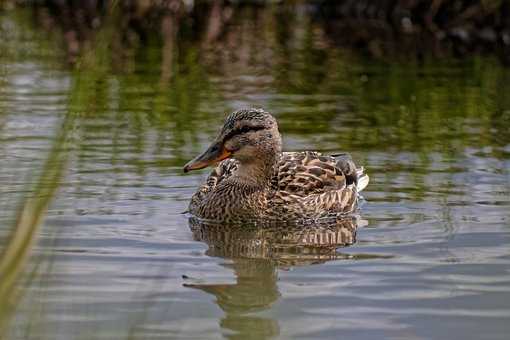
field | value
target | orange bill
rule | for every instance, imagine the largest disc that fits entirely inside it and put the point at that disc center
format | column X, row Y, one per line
column 212, row 155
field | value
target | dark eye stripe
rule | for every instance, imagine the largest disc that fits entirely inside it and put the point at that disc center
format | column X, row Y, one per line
column 242, row 130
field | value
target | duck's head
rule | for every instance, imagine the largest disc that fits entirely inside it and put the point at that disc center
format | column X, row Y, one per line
column 250, row 136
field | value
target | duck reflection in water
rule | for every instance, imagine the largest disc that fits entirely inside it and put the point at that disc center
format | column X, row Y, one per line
column 257, row 252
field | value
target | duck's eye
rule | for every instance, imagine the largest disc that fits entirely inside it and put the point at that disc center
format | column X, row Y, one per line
column 242, row 130
column 246, row 129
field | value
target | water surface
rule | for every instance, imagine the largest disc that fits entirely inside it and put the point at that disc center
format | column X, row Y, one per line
column 116, row 258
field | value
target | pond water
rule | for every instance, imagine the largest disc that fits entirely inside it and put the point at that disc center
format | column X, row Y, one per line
column 115, row 258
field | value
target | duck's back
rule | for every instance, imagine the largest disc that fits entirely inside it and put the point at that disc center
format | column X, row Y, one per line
column 306, row 173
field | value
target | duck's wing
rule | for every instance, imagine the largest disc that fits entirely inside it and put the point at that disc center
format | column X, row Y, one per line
column 331, row 203
column 312, row 185
column 341, row 201
column 306, row 173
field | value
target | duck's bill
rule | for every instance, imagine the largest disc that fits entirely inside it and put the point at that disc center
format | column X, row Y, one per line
column 211, row 156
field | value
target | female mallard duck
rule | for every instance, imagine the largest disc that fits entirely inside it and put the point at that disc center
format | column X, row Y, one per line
column 255, row 180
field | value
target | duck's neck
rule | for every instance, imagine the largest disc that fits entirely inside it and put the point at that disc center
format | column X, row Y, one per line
column 257, row 173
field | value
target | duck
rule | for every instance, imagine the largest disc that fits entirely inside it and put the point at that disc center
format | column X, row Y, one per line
column 254, row 180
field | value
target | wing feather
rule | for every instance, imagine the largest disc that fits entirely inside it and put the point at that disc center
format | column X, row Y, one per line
column 306, row 173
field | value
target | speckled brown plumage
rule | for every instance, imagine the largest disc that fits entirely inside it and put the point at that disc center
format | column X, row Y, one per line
column 260, row 182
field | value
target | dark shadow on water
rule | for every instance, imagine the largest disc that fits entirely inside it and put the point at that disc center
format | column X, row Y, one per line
column 257, row 253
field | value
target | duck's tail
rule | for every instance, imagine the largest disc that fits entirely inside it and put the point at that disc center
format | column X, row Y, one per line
column 353, row 175
column 363, row 179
